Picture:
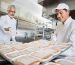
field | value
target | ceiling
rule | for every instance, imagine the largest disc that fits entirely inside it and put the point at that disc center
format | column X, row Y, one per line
column 48, row 2
column 40, row 1
column 51, row 2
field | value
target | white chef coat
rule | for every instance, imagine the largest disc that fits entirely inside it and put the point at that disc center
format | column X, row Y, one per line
column 5, row 22
column 66, row 33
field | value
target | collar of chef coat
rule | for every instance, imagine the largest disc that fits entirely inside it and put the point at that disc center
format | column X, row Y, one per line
column 10, row 17
column 63, row 28
column 68, row 21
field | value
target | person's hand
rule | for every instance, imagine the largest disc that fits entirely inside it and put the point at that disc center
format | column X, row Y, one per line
column 7, row 29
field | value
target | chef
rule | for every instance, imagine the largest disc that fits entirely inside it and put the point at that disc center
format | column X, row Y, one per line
column 65, row 32
column 8, row 25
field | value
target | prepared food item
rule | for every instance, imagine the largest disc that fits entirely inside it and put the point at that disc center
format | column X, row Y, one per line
column 7, row 50
column 32, row 53
column 40, row 43
column 12, row 55
column 58, row 48
column 5, row 46
column 2, row 46
column 26, row 60
column 18, row 46
column 43, row 53
column 17, row 53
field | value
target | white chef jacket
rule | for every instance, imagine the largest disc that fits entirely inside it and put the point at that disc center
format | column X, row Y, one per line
column 66, row 33
column 5, row 22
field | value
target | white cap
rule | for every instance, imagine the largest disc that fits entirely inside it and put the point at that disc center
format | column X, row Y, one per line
column 61, row 6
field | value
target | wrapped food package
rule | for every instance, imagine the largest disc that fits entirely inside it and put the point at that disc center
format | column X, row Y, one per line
column 32, row 53
column 40, row 43
column 26, row 60
column 12, row 55
column 44, row 54
column 7, row 50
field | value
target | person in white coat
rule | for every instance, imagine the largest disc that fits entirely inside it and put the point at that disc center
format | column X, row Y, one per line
column 8, row 25
column 65, row 32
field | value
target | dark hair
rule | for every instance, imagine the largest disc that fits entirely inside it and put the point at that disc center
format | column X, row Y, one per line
column 65, row 9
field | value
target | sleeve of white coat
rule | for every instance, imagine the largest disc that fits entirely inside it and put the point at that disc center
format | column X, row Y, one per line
column 2, row 23
column 72, row 36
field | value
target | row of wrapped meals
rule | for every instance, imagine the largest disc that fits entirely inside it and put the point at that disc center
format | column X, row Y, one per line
column 31, row 53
